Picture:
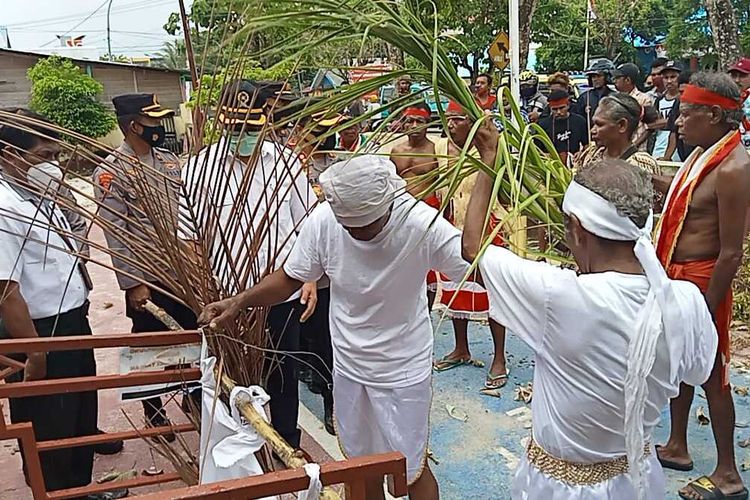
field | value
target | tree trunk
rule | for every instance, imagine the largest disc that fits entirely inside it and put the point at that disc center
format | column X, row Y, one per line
column 476, row 57
column 725, row 31
column 395, row 56
column 526, row 9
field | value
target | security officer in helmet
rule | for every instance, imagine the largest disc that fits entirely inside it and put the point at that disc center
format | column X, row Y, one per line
column 599, row 74
column 120, row 180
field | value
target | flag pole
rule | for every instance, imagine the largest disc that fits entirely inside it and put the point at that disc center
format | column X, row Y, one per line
column 586, row 39
column 515, row 89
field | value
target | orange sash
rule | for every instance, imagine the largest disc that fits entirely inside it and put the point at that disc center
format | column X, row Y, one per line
column 681, row 193
column 670, row 227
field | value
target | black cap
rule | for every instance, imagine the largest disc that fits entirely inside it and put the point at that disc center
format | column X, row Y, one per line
column 140, row 104
column 629, row 70
column 557, row 95
column 242, row 102
column 671, row 65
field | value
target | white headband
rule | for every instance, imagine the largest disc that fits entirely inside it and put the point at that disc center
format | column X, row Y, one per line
column 660, row 311
column 360, row 190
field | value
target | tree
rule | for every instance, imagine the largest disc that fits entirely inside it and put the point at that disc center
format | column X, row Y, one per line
column 67, row 96
column 526, row 10
column 120, row 58
column 173, row 55
column 472, row 25
column 725, row 31
column 560, row 27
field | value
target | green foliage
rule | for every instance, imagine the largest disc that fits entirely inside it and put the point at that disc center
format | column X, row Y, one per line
column 560, row 26
column 473, row 24
column 121, row 58
column 741, row 306
column 172, row 55
column 689, row 33
column 67, row 96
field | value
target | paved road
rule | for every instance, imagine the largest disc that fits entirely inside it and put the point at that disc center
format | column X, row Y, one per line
column 477, row 457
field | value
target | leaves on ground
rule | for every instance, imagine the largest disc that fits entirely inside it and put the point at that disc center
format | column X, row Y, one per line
column 457, row 413
column 701, row 416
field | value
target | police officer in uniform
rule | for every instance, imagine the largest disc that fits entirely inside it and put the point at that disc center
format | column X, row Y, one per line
column 44, row 288
column 139, row 117
column 242, row 157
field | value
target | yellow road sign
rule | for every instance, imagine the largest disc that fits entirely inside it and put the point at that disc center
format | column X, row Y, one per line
column 499, row 50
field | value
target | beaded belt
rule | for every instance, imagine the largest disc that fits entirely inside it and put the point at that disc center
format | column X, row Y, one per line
column 576, row 473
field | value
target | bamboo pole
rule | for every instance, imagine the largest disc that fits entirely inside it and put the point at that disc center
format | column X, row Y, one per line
column 293, row 459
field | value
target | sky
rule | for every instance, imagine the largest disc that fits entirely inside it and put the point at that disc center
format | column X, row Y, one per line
column 136, row 25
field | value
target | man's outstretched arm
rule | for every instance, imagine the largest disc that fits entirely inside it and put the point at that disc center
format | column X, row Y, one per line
column 273, row 289
column 471, row 241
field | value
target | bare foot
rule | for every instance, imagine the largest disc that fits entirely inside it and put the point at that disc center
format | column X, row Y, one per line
column 728, row 483
column 669, row 455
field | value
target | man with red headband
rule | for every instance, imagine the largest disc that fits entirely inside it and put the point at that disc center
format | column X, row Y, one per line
column 699, row 239
column 568, row 132
column 415, row 162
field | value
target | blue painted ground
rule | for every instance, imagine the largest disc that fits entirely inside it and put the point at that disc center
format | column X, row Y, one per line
column 476, row 458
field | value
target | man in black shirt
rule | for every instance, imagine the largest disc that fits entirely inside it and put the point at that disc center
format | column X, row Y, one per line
column 675, row 141
column 567, row 131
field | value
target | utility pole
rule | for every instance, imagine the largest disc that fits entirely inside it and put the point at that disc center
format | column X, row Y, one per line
column 586, row 41
column 109, row 37
column 515, row 58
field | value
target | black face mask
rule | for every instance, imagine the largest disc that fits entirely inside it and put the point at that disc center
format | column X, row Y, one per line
column 154, row 136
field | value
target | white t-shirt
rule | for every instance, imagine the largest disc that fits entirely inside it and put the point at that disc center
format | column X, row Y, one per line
column 662, row 136
column 35, row 255
column 380, row 326
column 251, row 215
column 579, row 328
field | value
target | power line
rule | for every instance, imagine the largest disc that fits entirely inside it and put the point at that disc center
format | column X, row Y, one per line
column 72, row 17
column 80, row 23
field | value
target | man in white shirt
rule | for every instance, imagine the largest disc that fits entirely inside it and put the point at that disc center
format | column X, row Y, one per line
column 612, row 342
column 376, row 243
column 244, row 200
column 44, row 289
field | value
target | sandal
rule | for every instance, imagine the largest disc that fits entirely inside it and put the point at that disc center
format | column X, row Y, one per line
column 444, row 364
column 709, row 491
column 496, row 381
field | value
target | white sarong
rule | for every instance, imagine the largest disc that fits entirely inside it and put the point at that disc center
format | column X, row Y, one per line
column 372, row 420
column 529, row 483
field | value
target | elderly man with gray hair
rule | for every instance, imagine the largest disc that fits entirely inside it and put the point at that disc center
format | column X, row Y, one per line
column 376, row 243
column 612, row 342
column 699, row 239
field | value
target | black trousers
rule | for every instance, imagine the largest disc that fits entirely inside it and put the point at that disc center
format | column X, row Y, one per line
column 315, row 338
column 61, row 416
column 284, row 327
column 144, row 321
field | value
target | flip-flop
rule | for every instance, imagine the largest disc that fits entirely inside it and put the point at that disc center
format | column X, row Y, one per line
column 444, row 364
column 669, row 464
column 493, row 381
column 709, row 491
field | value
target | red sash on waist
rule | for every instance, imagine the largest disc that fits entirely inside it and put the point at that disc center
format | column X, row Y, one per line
column 699, row 273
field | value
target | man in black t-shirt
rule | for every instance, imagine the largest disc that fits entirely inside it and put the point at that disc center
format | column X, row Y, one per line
column 567, row 131
column 675, row 141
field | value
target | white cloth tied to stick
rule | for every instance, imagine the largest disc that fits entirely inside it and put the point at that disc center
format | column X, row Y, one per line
column 660, row 312
column 228, row 444
column 360, row 190
column 315, row 486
